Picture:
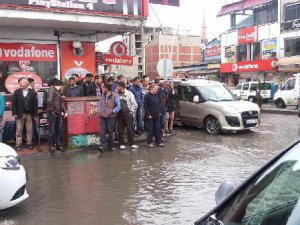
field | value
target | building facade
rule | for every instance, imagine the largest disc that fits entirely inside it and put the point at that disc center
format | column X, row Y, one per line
column 249, row 50
column 182, row 50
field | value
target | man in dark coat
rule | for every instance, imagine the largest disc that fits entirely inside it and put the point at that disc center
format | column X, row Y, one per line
column 88, row 85
column 24, row 109
column 152, row 115
column 73, row 90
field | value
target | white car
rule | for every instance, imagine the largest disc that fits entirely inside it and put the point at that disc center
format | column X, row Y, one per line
column 12, row 178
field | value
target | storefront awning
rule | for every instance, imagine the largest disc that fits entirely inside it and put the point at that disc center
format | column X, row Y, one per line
column 288, row 61
column 250, row 4
column 234, row 7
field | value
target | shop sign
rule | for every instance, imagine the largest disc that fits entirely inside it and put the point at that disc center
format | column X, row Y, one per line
column 248, row 66
column 135, row 7
column 247, row 35
column 213, row 51
column 269, row 49
column 11, row 82
column 27, row 52
column 78, row 64
column 213, row 66
column 230, row 53
column 117, row 55
column 290, row 25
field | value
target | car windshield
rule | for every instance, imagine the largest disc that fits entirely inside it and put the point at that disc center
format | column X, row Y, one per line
column 215, row 93
column 270, row 198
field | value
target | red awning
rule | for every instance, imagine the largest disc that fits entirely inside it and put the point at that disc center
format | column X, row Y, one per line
column 250, row 4
column 234, row 7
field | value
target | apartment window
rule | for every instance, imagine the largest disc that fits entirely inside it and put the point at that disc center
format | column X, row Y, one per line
column 292, row 47
column 242, row 53
column 291, row 12
column 256, row 51
column 267, row 14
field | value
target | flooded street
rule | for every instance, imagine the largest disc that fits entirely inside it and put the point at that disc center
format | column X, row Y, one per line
column 161, row 186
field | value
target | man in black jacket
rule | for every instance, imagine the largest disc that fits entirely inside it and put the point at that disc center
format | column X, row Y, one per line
column 152, row 115
column 73, row 90
column 89, row 88
column 24, row 109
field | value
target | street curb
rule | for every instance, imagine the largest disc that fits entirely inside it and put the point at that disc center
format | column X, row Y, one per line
column 278, row 111
column 46, row 154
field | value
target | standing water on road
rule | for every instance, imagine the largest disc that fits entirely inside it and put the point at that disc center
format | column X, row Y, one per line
column 171, row 185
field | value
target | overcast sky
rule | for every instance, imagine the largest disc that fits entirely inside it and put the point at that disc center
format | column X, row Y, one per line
column 187, row 17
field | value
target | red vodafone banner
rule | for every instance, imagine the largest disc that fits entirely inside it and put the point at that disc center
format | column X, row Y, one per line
column 27, row 52
column 248, row 66
column 213, row 51
column 247, row 35
column 11, row 83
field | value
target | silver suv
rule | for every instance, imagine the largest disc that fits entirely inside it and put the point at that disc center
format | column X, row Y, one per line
column 211, row 105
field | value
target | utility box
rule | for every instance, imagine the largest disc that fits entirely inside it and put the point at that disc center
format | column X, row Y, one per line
column 83, row 121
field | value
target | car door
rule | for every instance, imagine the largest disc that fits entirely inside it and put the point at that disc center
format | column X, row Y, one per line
column 270, row 197
column 288, row 92
column 189, row 110
column 245, row 91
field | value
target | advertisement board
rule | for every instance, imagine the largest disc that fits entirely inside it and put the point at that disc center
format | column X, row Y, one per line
column 269, row 49
column 230, row 54
column 132, row 7
column 79, row 64
column 247, row 35
column 166, row 2
column 249, row 66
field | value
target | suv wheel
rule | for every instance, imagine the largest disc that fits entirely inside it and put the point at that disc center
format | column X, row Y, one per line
column 212, row 125
column 280, row 103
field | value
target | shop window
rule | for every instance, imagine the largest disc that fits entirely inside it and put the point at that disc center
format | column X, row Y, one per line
column 242, row 53
column 291, row 12
column 44, row 69
column 256, row 51
column 292, row 47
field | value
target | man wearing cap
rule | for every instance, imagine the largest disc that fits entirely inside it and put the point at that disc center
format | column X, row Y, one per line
column 109, row 106
column 126, row 115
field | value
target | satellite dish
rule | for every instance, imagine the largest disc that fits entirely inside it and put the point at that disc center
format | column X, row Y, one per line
column 165, row 68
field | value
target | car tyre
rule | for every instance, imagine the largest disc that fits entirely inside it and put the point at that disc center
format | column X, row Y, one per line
column 280, row 103
column 212, row 125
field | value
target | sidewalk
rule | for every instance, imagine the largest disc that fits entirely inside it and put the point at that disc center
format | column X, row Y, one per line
column 271, row 108
column 42, row 151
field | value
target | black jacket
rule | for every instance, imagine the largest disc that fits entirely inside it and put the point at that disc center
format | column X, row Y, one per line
column 76, row 91
column 152, row 106
column 19, row 101
column 89, row 89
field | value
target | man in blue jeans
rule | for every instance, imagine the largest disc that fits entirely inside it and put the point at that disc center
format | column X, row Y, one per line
column 2, row 107
column 109, row 106
column 137, row 92
column 163, row 96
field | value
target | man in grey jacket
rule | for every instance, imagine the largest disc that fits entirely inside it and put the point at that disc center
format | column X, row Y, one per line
column 126, row 115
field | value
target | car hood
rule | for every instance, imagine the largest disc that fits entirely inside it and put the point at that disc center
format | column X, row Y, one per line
column 239, row 106
column 6, row 150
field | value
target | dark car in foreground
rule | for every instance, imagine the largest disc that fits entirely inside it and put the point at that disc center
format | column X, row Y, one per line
column 269, row 197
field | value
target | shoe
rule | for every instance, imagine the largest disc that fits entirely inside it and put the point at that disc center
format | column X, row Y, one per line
column 112, row 149
column 122, row 147
column 134, row 146
column 100, row 148
column 30, row 147
column 161, row 145
column 163, row 140
column 59, row 148
column 52, row 149
column 139, row 133
column 18, row 148
column 151, row 145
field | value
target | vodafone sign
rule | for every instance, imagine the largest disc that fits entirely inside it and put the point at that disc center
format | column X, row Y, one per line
column 248, row 66
column 27, row 52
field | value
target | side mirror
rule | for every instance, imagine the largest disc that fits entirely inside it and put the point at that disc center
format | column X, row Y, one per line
column 196, row 99
column 225, row 189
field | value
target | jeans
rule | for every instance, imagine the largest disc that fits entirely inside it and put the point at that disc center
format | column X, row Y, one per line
column 154, row 130
column 125, row 119
column 162, row 117
column 54, row 120
column 138, row 119
column 1, row 128
column 27, row 120
column 107, row 124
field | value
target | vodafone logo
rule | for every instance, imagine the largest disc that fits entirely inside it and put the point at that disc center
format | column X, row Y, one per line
column 118, row 49
column 273, row 64
column 234, row 67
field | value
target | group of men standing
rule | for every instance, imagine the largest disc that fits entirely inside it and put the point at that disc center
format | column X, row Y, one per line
column 129, row 105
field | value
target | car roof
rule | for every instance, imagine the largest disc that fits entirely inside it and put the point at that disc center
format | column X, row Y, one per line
column 197, row 82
